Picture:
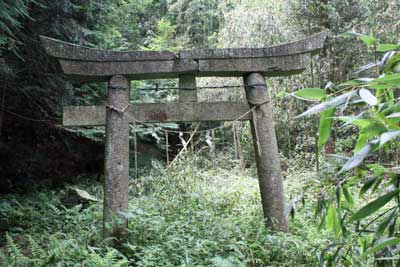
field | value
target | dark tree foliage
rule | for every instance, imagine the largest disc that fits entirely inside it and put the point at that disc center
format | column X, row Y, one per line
column 197, row 21
column 33, row 91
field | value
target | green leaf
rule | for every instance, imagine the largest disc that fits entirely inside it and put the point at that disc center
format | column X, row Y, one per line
column 311, row 93
column 325, row 126
column 369, row 128
column 357, row 159
column 389, row 80
column 387, row 47
column 337, row 101
column 373, row 206
column 367, row 39
column 393, row 115
column 388, row 136
column 392, row 63
column 384, row 224
column 368, row 97
column 332, row 220
column 348, row 196
column 393, row 241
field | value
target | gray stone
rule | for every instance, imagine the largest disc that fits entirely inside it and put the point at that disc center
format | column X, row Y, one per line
column 187, row 82
column 116, row 171
column 60, row 49
column 99, row 65
column 267, row 156
column 159, row 112
column 311, row 44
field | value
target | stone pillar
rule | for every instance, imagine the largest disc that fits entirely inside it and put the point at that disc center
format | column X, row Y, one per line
column 188, row 84
column 266, row 149
column 116, row 155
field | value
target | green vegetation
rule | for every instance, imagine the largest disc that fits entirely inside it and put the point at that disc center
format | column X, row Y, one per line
column 186, row 216
column 340, row 158
column 373, row 107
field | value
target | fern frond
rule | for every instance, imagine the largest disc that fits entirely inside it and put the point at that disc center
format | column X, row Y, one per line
column 16, row 257
column 36, row 250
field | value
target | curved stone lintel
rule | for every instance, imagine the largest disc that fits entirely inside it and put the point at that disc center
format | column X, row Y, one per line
column 99, row 65
column 311, row 44
column 64, row 50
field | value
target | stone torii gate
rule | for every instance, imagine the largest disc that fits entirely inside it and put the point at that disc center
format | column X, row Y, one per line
column 118, row 68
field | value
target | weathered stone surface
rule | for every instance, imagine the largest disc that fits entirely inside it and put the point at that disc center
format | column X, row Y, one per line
column 102, row 71
column 159, row 112
column 267, row 156
column 116, row 171
column 99, row 65
column 60, row 49
column 186, row 82
column 311, row 44
column 269, row 66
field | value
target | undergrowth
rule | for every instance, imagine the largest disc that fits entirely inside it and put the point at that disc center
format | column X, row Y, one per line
column 198, row 213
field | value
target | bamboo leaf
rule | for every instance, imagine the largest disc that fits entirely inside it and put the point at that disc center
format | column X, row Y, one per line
column 357, row 159
column 384, row 224
column 310, row 93
column 348, row 196
column 332, row 221
column 393, row 241
column 368, row 40
column 368, row 97
column 373, row 206
column 388, row 136
column 394, row 115
column 366, row 67
column 367, row 185
column 387, row 47
column 337, row 101
column 325, row 126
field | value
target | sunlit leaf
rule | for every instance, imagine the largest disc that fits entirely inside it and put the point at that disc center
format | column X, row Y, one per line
column 366, row 67
column 385, row 82
column 337, row 101
column 368, row 97
column 357, row 159
column 373, row 206
column 394, row 115
column 368, row 40
column 385, row 59
column 311, row 94
column 392, row 62
column 387, row 47
column 388, row 136
column 330, row 85
column 370, row 127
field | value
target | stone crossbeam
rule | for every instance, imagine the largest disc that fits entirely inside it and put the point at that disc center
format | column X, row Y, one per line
column 159, row 112
column 99, row 65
